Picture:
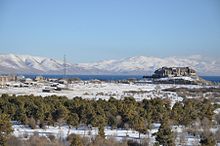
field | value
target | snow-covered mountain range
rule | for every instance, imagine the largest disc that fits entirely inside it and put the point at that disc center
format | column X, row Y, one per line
column 139, row 65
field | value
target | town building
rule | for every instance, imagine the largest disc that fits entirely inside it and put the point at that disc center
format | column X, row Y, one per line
column 6, row 78
column 39, row 79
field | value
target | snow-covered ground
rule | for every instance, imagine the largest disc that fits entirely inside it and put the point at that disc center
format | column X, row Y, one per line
column 176, row 78
column 119, row 134
column 103, row 90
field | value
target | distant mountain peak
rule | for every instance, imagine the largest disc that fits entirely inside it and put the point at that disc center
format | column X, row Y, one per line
column 137, row 65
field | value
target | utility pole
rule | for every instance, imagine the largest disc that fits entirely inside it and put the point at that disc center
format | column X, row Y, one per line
column 64, row 70
column 64, row 66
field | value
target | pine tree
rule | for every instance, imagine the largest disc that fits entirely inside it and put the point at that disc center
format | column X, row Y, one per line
column 73, row 120
column 76, row 140
column 177, row 112
column 5, row 128
column 140, row 125
column 101, row 131
column 208, row 140
column 164, row 135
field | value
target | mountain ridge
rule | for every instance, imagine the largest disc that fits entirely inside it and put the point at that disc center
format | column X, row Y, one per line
column 137, row 65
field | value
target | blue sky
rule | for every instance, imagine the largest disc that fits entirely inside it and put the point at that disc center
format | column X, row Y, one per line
column 92, row 30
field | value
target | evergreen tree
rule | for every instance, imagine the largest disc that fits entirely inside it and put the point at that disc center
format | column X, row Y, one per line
column 164, row 135
column 177, row 112
column 73, row 120
column 60, row 114
column 5, row 128
column 101, row 131
column 76, row 140
column 207, row 109
column 208, row 140
column 140, row 125
column 98, row 120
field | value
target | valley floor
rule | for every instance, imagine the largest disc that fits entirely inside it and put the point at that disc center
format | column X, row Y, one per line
column 104, row 90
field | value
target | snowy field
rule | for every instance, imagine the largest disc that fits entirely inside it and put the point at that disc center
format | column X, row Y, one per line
column 119, row 134
column 102, row 90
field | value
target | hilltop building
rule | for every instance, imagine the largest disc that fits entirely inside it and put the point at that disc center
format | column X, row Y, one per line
column 173, row 72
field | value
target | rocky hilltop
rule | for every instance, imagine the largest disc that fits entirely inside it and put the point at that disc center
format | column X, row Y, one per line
column 177, row 75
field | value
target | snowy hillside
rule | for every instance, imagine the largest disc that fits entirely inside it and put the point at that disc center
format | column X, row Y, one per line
column 147, row 65
column 25, row 63
column 32, row 64
column 139, row 65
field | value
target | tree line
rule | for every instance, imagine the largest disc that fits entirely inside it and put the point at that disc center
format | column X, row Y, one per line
column 126, row 113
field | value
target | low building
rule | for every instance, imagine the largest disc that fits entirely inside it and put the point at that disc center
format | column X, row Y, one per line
column 28, row 81
column 174, row 72
column 46, row 89
column 20, row 78
column 63, row 81
column 6, row 78
column 39, row 78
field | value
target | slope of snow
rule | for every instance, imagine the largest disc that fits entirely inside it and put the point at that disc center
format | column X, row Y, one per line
column 143, row 64
column 27, row 62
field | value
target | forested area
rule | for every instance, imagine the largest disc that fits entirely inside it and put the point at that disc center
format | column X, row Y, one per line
column 37, row 111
